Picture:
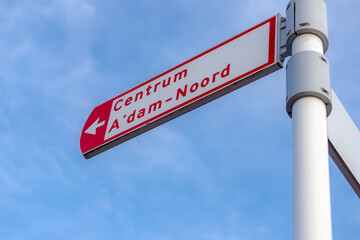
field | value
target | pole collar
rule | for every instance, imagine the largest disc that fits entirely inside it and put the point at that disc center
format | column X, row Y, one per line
column 314, row 81
column 306, row 17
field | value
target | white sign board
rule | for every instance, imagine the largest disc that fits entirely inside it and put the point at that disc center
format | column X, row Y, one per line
column 344, row 143
column 207, row 76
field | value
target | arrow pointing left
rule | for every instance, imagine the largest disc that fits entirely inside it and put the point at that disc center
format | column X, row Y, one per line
column 205, row 77
column 94, row 126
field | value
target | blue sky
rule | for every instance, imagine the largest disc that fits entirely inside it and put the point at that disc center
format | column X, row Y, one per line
column 222, row 171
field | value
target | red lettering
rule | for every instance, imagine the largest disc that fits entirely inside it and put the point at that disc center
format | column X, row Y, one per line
column 226, row 71
column 181, row 92
column 138, row 95
column 165, row 84
column 141, row 113
column 194, row 87
column 128, row 101
column 131, row 117
column 205, row 82
column 214, row 76
column 148, row 90
column 155, row 105
column 114, row 125
column 116, row 108
column 156, row 85
column 180, row 75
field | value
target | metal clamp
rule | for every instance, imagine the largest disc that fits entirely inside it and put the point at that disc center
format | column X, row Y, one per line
column 315, row 81
column 305, row 16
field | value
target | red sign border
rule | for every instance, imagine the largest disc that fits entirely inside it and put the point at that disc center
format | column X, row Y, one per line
column 272, row 58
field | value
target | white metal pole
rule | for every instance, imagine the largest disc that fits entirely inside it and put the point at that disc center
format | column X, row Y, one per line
column 311, row 196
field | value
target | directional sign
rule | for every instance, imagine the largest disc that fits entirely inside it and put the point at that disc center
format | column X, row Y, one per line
column 205, row 77
column 344, row 143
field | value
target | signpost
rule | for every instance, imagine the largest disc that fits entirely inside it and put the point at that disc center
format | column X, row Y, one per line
column 230, row 65
column 239, row 61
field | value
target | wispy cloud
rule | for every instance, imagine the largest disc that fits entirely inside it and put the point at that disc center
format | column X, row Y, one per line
column 204, row 175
